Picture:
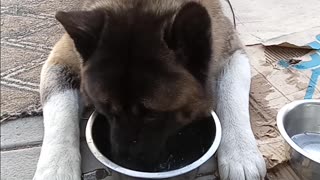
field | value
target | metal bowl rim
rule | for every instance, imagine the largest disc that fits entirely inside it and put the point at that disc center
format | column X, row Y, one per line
column 280, row 117
column 153, row 175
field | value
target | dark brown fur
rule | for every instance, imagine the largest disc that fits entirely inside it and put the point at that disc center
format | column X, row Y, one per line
column 146, row 68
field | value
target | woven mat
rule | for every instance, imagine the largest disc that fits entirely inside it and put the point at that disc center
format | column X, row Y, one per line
column 28, row 32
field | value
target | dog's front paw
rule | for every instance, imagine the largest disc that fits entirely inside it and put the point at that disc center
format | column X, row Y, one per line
column 240, row 163
column 58, row 173
column 57, row 163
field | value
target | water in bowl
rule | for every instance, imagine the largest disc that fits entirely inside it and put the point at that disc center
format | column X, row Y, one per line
column 309, row 142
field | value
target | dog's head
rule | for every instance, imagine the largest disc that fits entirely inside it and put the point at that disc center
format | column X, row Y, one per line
column 145, row 72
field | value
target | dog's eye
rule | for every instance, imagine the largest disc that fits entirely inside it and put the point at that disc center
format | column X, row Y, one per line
column 148, row 114
column 152, row 117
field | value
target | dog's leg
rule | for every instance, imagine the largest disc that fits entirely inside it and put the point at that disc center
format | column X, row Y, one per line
column 238, row 155
column 59, row 89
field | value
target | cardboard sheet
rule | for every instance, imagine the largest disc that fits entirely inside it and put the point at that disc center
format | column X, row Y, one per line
column 273, row 22
column 282, row 39
column 279, row 77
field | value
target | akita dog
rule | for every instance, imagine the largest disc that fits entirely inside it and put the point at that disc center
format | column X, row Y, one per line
column 151, row 67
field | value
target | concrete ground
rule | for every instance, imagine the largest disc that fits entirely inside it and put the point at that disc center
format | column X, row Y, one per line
column 21, row 144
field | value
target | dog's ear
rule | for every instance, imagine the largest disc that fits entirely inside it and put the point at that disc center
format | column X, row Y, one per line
column 84, row 27
column 190, row 38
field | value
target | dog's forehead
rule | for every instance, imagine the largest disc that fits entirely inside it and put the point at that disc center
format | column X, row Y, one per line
column 154, row 83
column 132, row 53
column 138, row 67
column 134, row 32
column 129, row 79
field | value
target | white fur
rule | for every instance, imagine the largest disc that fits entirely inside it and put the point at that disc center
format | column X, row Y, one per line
column 238, row 154
column 60, row 154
